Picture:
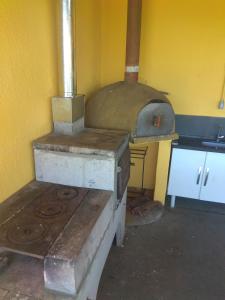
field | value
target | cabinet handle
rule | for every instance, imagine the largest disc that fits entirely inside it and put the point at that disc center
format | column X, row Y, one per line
column 206, row 177
column 199, row 175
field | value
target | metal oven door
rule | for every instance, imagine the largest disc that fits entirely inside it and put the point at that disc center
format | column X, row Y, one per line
column 123, row 173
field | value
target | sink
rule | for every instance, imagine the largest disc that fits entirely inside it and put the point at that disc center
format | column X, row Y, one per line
column 213, row 144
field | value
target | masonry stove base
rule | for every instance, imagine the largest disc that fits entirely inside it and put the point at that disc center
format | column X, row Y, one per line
column 73, row 257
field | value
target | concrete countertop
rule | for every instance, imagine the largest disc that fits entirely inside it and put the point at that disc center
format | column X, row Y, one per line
column 89, row 141
column 159, row 138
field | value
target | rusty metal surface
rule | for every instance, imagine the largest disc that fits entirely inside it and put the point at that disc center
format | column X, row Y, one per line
column 65, row 266
column 89, row 141
column 133, row 38
column 37, row 219
column 118, row 106
column 24, row 279
column 26, row 269
column 124, row 175
column 3, row 293
column 17, row 296
column 76, row 233
column 64, row 251
column 19, row 200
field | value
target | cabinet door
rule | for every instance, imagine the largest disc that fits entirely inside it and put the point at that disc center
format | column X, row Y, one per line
column 213, row 183
column 186, row 173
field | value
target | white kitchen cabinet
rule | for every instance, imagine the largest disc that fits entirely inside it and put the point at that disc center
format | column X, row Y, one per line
column 197, row 174
column 186, row 173
column 213, row 185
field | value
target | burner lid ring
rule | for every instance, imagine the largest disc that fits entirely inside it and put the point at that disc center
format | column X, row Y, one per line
column 26, row 233
column 50, row 209
column 67, row 193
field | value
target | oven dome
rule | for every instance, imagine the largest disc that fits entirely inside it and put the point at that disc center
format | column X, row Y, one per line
column 137, row 108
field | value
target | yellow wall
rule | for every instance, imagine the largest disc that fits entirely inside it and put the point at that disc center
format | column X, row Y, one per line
column 113, row 40
column 27, row 81
column 162, row 169
column 28, row 78
column 182, row 52
column 149, row 166
column 88, row 45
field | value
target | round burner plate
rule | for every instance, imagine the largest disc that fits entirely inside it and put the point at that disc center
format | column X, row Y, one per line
column 67, row 193
column 50, row 209
column 26, row 233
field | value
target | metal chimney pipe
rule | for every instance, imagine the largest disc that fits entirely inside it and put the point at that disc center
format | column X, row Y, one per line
column 67, row 86
column 133, row 40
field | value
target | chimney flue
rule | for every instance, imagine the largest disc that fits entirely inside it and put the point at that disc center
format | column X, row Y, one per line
column 133, row 40
column 67, row 80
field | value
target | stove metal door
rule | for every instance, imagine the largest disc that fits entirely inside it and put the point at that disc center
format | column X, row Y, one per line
column 123, row 174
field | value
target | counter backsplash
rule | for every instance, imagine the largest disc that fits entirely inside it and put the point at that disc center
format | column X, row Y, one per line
column 199, row 126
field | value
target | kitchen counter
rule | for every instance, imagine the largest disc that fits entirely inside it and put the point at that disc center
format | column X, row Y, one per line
column 197, row 170
column 195, row 143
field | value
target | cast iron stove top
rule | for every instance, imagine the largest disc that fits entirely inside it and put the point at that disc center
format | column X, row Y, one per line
column 33, row 226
